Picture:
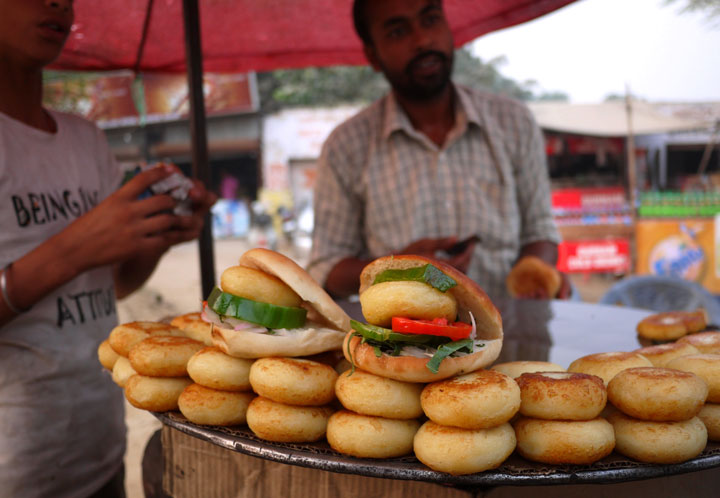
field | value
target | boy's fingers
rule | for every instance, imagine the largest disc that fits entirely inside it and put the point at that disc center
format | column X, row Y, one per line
column 144, row 180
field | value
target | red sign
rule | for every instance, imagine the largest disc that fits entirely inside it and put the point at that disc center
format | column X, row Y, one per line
column 588, row 199
column 594, row 256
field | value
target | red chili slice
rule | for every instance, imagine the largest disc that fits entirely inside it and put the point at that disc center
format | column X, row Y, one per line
column 437, row 326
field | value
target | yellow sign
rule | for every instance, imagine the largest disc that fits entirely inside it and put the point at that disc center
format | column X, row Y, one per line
column 683, row 248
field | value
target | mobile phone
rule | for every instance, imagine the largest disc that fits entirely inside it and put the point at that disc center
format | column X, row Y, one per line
column 459, row 247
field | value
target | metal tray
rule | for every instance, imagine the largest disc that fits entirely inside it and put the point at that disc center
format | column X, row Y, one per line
column 515, row 471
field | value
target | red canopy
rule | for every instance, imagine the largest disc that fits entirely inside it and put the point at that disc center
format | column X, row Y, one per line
column 258, row 35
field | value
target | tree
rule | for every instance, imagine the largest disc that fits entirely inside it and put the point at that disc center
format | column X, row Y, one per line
column 710, row 7
column 361, row 85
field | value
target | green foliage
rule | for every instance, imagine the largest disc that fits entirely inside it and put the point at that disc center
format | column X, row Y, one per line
column 361, row 85
column 709, row 7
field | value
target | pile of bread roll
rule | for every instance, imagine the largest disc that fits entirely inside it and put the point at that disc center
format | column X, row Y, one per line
column 151, row 363
column 561, row 421
column 380, row 418
column 658, row 404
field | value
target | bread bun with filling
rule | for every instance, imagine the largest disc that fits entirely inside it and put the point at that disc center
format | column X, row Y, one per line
column 411, row 364
column 324, row 327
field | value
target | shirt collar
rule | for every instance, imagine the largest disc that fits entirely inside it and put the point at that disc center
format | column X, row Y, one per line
column 395, row 118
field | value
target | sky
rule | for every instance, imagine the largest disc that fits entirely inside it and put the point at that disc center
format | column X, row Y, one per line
column 593, row 48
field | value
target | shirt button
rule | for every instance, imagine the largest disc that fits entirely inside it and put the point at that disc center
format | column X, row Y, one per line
column 448, row 204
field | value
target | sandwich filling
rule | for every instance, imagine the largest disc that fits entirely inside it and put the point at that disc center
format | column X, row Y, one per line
column 437, row 338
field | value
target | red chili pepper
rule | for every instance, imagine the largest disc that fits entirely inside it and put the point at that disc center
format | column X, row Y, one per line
column 437, row 326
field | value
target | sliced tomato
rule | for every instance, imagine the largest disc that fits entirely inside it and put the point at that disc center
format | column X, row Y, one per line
column 437, row 326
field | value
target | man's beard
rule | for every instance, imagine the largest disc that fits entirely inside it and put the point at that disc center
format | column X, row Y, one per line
column 422, row 88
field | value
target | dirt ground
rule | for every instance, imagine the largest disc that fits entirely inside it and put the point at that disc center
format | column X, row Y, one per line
column 175, row 289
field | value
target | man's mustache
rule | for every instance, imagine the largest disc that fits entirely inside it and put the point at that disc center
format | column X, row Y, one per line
column 418, row 59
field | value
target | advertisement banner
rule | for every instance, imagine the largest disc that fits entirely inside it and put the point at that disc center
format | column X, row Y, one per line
column 594, row 256
column 683, row 248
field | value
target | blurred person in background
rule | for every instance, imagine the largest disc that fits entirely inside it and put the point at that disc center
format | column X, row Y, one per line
column 71, row 242
column 429, row 165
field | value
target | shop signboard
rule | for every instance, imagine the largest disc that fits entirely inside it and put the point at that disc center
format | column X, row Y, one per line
column 594, row 256
column 682, row 248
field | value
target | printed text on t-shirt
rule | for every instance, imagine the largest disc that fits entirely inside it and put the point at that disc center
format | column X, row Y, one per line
column 40, row 208
column 85, row 306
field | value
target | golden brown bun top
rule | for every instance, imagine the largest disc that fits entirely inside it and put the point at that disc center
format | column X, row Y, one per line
column 468, row 294
column 300, row 281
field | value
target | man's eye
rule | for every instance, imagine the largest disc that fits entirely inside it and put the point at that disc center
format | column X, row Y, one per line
column 431, row 19
column 396, row 32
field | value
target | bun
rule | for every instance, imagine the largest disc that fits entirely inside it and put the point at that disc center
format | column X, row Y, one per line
column 710, row 416
column 561, row 395
column 123, row 337
column 122, row 371
column 658, row 442
column 163, row 356
column 107, row 355
column 672, row 325
column 283, row 423
column 662, row 354
column 300, row 281
column 515, row 369
column 155, row 394
column 327, row 322
column 415, row 300
column 470, row 298
column 659, row 394
column 578, row 442
column 365, row 436
column 194, row 327
column 705, row 366
column 202, row 405
column 463, row 451
column 293, row 381
column 530, row 275
column 607, row 365
column 705, row 342
column 368, row 394
column 477, row 400
column 212, row 368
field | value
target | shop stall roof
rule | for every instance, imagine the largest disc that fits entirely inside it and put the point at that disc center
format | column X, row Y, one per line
column 252, row 35
column 610, row 119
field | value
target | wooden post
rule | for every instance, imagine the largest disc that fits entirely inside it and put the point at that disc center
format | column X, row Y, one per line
column 630, row 145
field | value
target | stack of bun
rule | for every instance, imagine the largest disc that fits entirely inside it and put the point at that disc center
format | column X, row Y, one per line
column 385, row 394
column 469, row 428
column 114, row 351
column 560, row 419
column 294, row 393
column 656, row 418
column 707, row 367
column 160, row 364
column 221, row 391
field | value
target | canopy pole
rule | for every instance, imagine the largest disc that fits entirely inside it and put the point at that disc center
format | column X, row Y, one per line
column 198, row 132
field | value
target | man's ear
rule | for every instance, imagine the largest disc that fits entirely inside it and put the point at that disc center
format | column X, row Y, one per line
column 371, row 56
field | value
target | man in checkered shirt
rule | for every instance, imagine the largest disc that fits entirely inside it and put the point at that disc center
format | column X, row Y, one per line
column 430, row 164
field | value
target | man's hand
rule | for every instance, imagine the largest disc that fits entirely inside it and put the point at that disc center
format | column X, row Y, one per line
column 431, row 247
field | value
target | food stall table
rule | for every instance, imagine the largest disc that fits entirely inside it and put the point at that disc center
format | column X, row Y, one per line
column 556, row 331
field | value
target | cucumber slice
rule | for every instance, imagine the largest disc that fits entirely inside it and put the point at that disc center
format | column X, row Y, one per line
column 428, row 274
column 265, row 314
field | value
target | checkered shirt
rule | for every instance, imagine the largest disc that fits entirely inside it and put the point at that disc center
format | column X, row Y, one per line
column 382, row 185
